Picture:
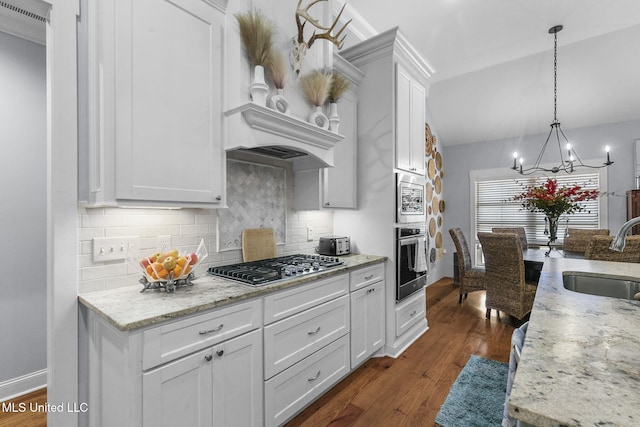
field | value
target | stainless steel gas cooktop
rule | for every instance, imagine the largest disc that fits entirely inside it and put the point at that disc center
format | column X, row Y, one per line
column 266, row 271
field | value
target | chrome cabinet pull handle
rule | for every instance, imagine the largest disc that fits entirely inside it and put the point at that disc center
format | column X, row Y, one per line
column 369, row 277
column 413, row 313
column 371, row 290
column 314, row 377
column 218, row 198
column 220, row 353
column 208, row 331
column 208, row 357
column 314, row 332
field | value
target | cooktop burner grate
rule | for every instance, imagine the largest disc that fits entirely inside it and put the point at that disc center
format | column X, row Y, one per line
column 266, row 271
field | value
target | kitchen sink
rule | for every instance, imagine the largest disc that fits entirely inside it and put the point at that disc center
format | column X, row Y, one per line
column 606, row 286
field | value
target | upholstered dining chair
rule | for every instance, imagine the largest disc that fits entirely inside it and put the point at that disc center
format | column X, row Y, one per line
column 576, row 240
column 507, row 290
column 517, row 230
column 598, row 249
column 471, row 279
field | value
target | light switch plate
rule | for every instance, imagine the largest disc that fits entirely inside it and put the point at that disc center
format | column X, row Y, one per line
column 310, row 236
column 113, row 248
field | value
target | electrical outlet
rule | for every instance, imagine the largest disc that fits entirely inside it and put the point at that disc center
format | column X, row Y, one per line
column 113, row 248
column 163, row 242
column 310, row 236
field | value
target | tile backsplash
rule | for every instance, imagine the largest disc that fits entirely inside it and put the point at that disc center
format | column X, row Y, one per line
column 186, row 228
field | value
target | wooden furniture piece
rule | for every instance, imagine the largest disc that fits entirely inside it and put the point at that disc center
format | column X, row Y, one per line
column 577, row 239
column 633, row 208
column 471, row 279
column 517, row 230
column 598, row 249
column 507, row 289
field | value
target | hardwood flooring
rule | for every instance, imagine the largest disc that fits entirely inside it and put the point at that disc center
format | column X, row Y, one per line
column 25, row 418
column 407, row 391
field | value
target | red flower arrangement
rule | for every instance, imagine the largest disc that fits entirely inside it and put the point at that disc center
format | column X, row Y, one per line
column 554, row 201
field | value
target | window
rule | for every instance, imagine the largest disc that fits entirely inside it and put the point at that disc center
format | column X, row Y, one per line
column 492, row 206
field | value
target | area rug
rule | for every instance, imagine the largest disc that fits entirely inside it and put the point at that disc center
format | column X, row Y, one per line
column 476, row 398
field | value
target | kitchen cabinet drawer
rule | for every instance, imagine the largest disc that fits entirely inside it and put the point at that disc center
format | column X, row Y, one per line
column 366, row 276
column 295, row 300
column 410, row 313
column 287, row 393
column 178, row 338
column 291, row 340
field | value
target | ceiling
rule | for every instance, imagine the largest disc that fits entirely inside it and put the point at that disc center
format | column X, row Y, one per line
column 494, row 62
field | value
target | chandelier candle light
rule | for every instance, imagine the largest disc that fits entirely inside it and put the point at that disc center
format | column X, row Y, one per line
column 572, row 160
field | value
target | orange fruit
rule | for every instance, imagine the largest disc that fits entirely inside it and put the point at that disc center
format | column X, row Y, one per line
column 181, row 261
column 162, row 274
column 177, row 271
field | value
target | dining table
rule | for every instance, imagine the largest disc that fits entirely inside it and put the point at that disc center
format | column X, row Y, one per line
column 534, row 258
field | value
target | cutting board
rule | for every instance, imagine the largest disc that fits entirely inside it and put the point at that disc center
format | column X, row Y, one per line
column 258, row 243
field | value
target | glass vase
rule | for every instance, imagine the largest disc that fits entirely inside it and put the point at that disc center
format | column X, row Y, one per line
column 551, row 229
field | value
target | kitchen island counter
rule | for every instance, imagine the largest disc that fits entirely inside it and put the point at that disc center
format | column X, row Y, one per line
column 128, row 309
column 580, row 362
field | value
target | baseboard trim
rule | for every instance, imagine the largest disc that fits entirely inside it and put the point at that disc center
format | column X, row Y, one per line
column 22, row 385
column 402, row 343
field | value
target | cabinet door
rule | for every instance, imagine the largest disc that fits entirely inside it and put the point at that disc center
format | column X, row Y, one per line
column 340, row 188
column 179, row 393
column 367, row 322
column 410, row 111
column 418, row 101
column 403, row 119
column 169, row 57
column 238, row 382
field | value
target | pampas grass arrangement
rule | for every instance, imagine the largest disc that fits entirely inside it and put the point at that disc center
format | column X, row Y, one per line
column 277, row 68
column 256, row 32
column 316, row 85
column 339, row 85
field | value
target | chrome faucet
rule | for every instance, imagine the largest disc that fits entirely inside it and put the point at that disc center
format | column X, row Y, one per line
column 619, row 241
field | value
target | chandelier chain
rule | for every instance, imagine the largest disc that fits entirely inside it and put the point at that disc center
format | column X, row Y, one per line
column 555, row 77
column 572, row 161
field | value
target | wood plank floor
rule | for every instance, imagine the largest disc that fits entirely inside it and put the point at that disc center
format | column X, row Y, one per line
column 26, row 418
column 407, row 391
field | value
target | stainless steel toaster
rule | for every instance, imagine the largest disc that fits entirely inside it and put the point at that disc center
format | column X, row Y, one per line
column 334, row 245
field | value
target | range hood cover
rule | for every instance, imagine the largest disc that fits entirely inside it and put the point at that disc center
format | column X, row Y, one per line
column 262, row 130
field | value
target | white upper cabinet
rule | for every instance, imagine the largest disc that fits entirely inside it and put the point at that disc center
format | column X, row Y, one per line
column 410, row 119
column 155, row 82
column 336, row 187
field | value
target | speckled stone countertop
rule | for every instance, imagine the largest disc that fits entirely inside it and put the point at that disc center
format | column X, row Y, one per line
column 128, row 309
column 580, row 363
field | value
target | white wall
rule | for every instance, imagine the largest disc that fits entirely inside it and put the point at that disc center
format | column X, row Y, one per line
column 23, row 304
column 590, row 142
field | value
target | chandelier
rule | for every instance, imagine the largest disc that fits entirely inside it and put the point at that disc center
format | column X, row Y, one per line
column 572, row 161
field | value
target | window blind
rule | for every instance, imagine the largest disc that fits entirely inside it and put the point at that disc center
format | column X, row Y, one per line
column 494, row 207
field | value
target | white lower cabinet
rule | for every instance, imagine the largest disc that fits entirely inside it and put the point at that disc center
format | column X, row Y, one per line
column 255, row 363
column 410, row 312
column 367, row 322
column 218, row 386
column 179, row 393
column 290, row 391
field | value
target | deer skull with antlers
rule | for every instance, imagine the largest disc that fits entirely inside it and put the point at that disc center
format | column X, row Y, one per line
column 300, row 46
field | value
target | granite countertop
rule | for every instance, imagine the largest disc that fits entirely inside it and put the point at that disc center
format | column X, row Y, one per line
column 128, row 309
column 580, row 364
